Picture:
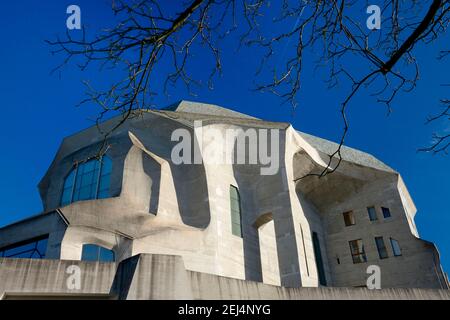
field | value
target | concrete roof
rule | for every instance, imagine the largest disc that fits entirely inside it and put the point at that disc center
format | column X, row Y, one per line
column 207, row 109
column 347, row 153
column 322, row 145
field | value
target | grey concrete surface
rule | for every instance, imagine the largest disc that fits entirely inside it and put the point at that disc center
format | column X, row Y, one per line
column 164, row 277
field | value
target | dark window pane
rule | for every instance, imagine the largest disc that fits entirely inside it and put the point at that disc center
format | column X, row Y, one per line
column 69, row 179
column 396, row 247
column 106, row 165
column 319, row 260
column 372, row 213
column 87, row 179
column 16, row 251
column 89, row 166
column 104, row 182
column 103, row 194
column 65, row 199
column 357, row 251
column 76, row 195
column 92, row 252
column 35, row 255
column 359, row 258
column 386, row 212
column 106, row 255
column 34, row 249
column 349, row 218
column 41, row 247
column 382, row 252
column 85, row 193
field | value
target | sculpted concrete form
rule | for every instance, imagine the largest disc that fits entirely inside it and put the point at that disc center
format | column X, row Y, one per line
column 293, row 230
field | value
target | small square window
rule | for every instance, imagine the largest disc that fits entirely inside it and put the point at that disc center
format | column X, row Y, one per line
column 372, row 213
column 349, row 218
column 386, row 212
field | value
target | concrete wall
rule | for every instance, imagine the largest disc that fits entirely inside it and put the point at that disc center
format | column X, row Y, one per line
column 415, row 268
column 269, row 254
column 163, row 277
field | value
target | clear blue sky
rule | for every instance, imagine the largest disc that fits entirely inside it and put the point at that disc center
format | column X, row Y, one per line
column 38, row 110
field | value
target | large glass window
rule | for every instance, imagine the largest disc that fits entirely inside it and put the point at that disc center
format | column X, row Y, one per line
column 235, row 204
column 88, row 180
column 357, row 251
column 30, row 249
column 382, row 252
column 92, row 252
column 372, row 213
column 396, row 247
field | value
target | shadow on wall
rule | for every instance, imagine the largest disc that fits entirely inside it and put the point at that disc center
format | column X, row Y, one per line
column 189, row 179
column 192, row 194
column 153, row 170
column 261, row 206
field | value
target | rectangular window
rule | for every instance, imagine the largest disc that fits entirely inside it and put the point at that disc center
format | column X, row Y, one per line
column 30, row 249
column 386, row 212
column 372, row 213
column 396, row 247
column 382, row 252
column 357, row 251
column 319, row 260
column 235, row 205
column 349, row 218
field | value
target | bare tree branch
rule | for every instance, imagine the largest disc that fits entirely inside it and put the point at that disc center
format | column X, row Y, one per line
column 149, row 33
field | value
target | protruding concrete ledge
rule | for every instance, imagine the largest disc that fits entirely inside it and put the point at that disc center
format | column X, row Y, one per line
column 148, row 276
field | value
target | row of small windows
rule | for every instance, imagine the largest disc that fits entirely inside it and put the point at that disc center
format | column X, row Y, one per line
column 349, row 217
column 359, row 254
column 373, row 213
column 88, row 180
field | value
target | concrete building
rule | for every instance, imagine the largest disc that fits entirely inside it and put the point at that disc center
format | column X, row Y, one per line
column 140, row 225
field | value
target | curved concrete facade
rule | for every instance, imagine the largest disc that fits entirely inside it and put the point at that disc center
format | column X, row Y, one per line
column 293, row 231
